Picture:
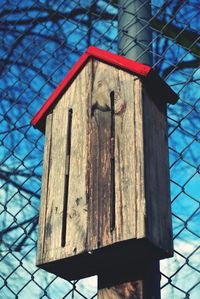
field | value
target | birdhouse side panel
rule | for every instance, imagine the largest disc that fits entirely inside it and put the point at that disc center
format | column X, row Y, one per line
column 157, row 181
column 79, row 95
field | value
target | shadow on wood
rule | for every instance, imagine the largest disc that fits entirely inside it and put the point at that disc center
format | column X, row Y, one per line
column 138, row 281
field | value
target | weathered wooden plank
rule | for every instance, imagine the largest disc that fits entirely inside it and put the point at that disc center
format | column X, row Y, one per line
column 44, row 189
column 93, row 192
column 52, row 242
column 139, row 162
column 100, row 145
column 77, row 214
column 76, row 223
column 129, row 162
column 128, row 155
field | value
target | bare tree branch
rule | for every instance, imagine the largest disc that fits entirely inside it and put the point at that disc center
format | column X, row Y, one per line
column 19, row 186
column 182, row 65
column 184, row 37
column 11, row 228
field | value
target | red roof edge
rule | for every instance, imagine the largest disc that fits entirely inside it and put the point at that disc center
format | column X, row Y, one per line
column 150, row 77
column 120, row 61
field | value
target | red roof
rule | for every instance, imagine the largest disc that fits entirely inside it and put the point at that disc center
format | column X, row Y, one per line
column 150, row 77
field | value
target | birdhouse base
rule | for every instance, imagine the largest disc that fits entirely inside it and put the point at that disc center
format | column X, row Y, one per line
column 108, row 259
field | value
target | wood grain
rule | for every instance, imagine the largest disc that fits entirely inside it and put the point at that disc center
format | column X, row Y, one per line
column 76, row 234
column 77, row 214
column 100, row 179
column 54, row 212
column 126, row 290
column 129, row 162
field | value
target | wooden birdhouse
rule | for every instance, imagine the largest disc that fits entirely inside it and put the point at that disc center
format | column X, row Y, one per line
column 105, row 198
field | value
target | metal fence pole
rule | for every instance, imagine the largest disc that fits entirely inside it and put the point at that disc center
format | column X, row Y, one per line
column 134, row 34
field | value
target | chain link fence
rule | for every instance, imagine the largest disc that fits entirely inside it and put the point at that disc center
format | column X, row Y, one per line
column 40, row 42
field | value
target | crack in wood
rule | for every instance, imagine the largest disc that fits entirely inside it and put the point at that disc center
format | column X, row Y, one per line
column 112, row 161
column 66, row 185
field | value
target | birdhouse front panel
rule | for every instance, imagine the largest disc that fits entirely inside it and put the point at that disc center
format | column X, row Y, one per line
column 105, row 197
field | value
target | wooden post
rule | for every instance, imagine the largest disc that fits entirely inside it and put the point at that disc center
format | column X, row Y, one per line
column 139, row 281
column 134, row 34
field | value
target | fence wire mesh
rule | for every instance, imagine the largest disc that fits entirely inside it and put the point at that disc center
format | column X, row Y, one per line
column 40, row 41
